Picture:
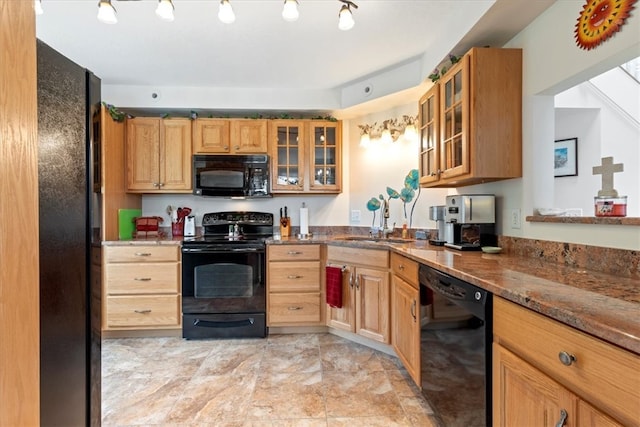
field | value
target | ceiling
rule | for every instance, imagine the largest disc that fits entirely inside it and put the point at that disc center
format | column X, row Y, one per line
column 261, row 50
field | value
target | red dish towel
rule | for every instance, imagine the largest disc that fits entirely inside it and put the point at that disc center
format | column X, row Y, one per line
column 334, row 286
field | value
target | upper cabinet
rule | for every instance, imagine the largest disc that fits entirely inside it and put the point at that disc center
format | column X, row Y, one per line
column 471, row 121
column 306, row 156
column 158, row 155
column 230, row 136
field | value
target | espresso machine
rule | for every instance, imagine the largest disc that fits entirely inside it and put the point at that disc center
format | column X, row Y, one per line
column 470, row 221
column 436, row 213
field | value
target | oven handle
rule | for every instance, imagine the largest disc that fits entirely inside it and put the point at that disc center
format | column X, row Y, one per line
column 230, row 324
column 217, row 251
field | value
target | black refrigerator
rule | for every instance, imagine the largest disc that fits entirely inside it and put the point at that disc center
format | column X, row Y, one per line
column 70, row 237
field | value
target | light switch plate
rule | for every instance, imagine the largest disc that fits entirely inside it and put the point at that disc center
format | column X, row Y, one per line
column 355, row 215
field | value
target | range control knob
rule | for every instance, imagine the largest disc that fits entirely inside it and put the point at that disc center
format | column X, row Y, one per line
column 477, row 296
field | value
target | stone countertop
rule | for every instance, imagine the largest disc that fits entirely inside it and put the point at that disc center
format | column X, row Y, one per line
column 603, row 305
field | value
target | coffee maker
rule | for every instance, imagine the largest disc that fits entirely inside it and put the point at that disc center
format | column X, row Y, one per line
column 436, row 213
column 470, row 221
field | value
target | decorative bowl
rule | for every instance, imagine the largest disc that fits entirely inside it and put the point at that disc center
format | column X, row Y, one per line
column 491, row 249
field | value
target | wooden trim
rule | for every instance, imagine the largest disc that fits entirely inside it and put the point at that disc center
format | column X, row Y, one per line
column 19, row 237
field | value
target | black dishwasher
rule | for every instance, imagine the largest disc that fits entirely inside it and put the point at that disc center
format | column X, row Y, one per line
column 455, row 351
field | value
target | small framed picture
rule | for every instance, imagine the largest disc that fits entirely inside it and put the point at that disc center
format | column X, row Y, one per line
column 565, row 159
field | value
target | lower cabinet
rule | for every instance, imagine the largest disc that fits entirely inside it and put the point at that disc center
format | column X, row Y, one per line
column 546, row 373
column 365, row 292
column 405, row 314
column 141, row 288
column 294, row 286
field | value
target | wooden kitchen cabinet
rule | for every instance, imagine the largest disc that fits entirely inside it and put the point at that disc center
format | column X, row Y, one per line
column 597, row 384
column 365, row 292
column 229, row 136
column 158, row 155
column 405, row 314
column 479, row 121
column 294, row 286
column 306, row 156
column 141, row 289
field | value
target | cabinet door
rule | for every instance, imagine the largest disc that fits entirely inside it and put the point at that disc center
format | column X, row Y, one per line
column 325, row 171
column 590, row 416
column 175, row 155
column 429, row 135
column 405, row 326
column 143, row 154
column 211, row 136
column 524, row 396
column 249, row 136
column 373, row 300
column 454, row 120
column 344, row 317
column 287, row 155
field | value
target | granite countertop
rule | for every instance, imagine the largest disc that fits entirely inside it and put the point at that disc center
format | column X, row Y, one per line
column 602, row 305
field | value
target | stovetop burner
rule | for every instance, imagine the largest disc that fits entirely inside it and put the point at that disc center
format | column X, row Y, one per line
column 233, row 228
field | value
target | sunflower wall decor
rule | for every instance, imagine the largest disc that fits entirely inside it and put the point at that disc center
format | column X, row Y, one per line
column 601, row 19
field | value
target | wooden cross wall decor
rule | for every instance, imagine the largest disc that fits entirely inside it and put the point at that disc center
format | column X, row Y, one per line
column 607, row 169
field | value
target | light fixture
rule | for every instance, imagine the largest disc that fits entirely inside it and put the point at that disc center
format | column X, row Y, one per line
column 225, row 13
column 345, row 17
column 165, row 10
column 389, row 131
column 106, row 12
column 290, row 10
column 37, row 7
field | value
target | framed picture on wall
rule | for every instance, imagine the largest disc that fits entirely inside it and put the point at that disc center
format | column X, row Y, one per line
column 565, row 159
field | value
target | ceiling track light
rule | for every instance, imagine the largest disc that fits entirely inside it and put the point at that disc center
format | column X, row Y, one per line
column 106, row 12
column 290, row 10
column 345, row 17
column 165, row 10
column 225, row 12
column 37, row 7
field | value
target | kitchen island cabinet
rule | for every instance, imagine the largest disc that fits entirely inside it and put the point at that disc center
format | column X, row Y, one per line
column 544, row 371
column 158, row 155
column 141, row 289
column 365, row 293
column 479, row 120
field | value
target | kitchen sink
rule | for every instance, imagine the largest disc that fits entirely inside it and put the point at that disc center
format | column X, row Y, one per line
column 375, row 239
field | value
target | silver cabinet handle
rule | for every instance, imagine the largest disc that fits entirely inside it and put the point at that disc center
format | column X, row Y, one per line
column 294, row 308
column 401, row 267
column 142, row 279
column 413, row 311
column 566, row 358
column 357, row 282
column 351, row 279
column 294, row 253
column 161, row 184
column 294, row 277
column 142, row 311
column 237, row 147
column 563, row 418
column 143, row 254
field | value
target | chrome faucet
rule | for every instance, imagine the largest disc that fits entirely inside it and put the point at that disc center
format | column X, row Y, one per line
column 386, row 231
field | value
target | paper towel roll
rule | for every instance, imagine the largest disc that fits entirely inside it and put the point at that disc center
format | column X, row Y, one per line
column 304, row 221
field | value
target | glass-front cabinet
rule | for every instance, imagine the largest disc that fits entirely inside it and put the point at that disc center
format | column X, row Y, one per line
column 325, row 157
column 429, row 135
column 287, row 139
column 305, row 156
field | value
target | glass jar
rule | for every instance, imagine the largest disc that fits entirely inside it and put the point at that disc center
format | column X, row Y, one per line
column 610, row 206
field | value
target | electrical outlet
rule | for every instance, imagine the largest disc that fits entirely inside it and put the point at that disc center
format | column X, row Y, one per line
column 355, row 215
column 515, row 218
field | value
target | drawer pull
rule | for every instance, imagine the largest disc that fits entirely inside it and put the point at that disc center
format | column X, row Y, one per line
column 566, row 359
column 142, row 311
column 142, row 279
column 401, row 267
column 563, row 418
column 294, row 253
column 143, row 253
column 294, row 277
column 294, row 308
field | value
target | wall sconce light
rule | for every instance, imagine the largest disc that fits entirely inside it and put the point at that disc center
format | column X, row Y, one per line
column 225, row 12
column 165, row 10
column 388, row 131
column 106, row 12
column 290, row 10
column 345, row 17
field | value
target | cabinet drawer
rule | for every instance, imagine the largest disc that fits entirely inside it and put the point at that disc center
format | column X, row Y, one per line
column 294, row 308
column 293, row 252
column 142, row 278
column 294, row 276
column 405, row 268
column 135, row 253
column 358, row 256
column 606, row 376
column 136, row 311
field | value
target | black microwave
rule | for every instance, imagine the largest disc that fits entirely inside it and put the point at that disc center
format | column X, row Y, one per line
column 232, row 176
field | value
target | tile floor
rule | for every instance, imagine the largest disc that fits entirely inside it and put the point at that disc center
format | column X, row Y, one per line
column 308, row 380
